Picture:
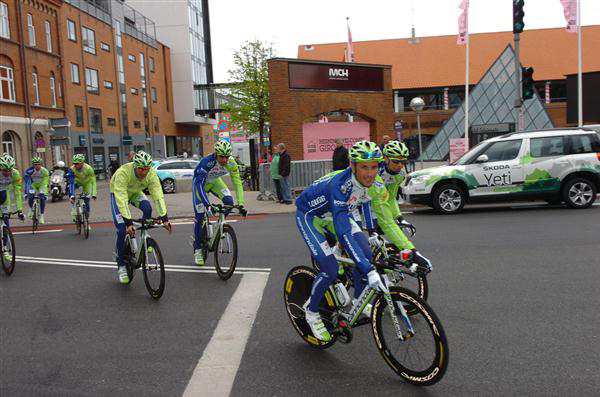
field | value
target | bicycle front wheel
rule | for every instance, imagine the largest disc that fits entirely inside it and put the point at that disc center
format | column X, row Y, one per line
column 226, row 252
column 34, row 219
column 8, row 265
column 86, row 226
column 422, row 358
column 153, row 269
column 129, row 259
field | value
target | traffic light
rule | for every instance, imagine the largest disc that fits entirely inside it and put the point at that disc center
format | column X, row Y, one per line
column 518, row 15
column 527, row 82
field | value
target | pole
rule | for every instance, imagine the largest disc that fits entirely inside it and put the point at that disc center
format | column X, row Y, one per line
column 519, row 99
column 467, row 87
column 579, row 84
column 420, row 146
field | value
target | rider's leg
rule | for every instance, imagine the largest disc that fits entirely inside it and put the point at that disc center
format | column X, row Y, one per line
column 87, row 189
column 121, row 230
column 141, row 201
column 222, row 191
column 199, row 211
column 42, row 197
column 357, row 276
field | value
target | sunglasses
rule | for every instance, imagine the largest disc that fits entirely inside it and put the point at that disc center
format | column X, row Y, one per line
column 143, row 168
column 396, row 161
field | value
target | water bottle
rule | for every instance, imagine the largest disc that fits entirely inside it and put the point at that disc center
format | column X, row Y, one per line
column 342, row 294
column 134, row 246
column 209, row 229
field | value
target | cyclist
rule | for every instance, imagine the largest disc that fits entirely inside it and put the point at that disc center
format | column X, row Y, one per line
column 36, row 181
column 207, row 178
column 126, row 187
column 339, row 195
column 81, row 175
column 10, row 178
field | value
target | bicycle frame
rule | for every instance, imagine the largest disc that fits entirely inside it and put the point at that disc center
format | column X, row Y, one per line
column 80, row 204
column 141, row 246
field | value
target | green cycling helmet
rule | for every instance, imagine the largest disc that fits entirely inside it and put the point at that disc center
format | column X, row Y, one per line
column 36, row 160
column 363, row 151
column 7, row 162
column 142, row 159
column 78, row 159
column 395, row 149
column 223, row 148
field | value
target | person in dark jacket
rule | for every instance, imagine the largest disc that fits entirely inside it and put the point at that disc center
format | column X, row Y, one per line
column 284, row 172
column 340, row 156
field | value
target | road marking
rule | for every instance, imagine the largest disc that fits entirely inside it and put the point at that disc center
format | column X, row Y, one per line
column 192, row 222
column 41, row 231
column 216, row 369
column 111, row 265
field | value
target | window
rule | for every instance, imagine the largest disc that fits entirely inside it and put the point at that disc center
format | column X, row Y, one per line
column 71, row 30
column 78, row 116
column 134, row 91
column 75, row 74
column 503, row 150
column 95, row 121
column 176, row 165
column 48, row 36
column 156, row 125
column 108, row 84
column 31, row 30
column 7, row 143
column 36, row 90
column 111, row 121
column 4, row 23
column 151, row 64
column 104, row 46
column 137, row 124
column 89, row 40
column 91, row 81
column 549, row 146
column 583, row 144
column 7, row 84
column 154, row 95
column 52, row 90
column 131, row 57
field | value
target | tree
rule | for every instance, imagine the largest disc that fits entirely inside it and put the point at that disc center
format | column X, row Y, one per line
column 249, row 95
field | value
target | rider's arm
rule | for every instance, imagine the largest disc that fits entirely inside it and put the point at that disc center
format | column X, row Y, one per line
column 234, row 171
column 92, row 179
column 200, row 174
column 71, row 181
column 17, row 182
column 119, row 189
column 392, row 199
column 156, row 192
column 385, row 220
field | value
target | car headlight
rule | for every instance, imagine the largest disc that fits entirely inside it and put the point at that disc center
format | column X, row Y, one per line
column 419, row 179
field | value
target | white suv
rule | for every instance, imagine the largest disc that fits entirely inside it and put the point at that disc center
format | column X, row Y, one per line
column 552, row 165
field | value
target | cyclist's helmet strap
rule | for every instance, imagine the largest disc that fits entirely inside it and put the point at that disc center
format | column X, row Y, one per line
column 363, row 151
column 142, row 159
column 396, row 149
column 223, row 148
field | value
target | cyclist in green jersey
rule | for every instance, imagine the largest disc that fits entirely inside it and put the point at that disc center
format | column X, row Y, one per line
column 10, row 178
column 36, row 181
column 81, row 175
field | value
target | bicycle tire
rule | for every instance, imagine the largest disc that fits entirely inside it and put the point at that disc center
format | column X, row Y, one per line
column 34, row 218
column 223, row 272
column 129, row 259
column 8, row 266
column 296, row 291
column 86, row 227
column 425, row 322
column 158, row 267
column 78, row 224
column 204, row 247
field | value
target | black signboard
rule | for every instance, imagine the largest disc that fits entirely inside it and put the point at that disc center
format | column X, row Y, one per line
column 335, row 77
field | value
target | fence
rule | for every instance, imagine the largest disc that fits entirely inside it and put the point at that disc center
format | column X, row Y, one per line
column 302, row 174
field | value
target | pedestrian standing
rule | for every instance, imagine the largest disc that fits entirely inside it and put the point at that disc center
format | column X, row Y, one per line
column 385, row 139
column 340, row 156
column 275, row 176
column 130, row 156
column 284, row 170
column 114, row 166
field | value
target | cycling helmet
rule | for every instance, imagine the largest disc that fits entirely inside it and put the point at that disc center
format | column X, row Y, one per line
column 6, row 162
column 395, row 149
column 60, row 164
column 36, row 160
column 78, row 158
column 142, row 159
column 365, row 151
column 223, row 148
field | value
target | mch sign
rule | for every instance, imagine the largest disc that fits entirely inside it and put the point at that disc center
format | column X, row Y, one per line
column 338, row 74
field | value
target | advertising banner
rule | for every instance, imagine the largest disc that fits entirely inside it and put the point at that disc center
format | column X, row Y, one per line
column 319, row 138
column 458, row 147
column 337, row 77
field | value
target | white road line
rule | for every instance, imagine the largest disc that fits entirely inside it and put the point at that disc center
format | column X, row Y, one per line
column 215, row 373
column 41, row 231
column 192, row 222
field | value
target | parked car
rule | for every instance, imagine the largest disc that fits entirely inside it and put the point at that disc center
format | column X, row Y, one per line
column 558, row 165
column 169, row 171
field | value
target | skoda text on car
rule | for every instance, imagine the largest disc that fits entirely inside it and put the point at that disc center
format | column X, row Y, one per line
column 169, row 171
column 552, row 165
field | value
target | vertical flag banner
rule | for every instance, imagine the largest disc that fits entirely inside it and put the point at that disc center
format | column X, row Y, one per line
column 349, row 45
column 463, row 22
column 570, row 10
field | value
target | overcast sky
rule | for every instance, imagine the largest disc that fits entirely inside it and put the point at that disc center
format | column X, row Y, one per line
column 290, row 23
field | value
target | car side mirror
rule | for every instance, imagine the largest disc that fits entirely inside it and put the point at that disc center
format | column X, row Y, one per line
column 482, row 159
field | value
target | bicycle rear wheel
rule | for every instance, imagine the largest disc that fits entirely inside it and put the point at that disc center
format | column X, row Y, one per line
column 226, row 252
column 421, row 359
column 153, row 269
column 129, row 259
column 86, row 226
column 9, row 247
column 296, row 291
column 34, row 218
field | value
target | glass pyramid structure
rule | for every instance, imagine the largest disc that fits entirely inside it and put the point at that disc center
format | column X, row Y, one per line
column 491, row 101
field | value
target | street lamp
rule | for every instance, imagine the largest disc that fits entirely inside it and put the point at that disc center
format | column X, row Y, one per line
column 417, row 104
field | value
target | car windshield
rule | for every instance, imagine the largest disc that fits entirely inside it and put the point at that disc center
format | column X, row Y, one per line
column 471, row 154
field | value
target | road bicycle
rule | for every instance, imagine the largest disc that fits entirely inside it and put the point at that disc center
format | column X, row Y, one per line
column 82, row 215
column 414, row 346
column 35, row 213
column 146, row 254
column 220, row 238
column 7, row 242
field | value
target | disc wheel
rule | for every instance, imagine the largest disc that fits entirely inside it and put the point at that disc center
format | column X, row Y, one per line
column 153, row 269
column 421, row 358
column 8, row 265
column 226, row 252
column 296, row 291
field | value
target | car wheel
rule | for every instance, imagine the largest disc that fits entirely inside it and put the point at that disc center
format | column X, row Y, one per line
column 168, row 185
column 448, row 199
column 579, row 193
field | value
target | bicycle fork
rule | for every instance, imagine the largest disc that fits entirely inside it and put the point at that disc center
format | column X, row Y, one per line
column 396, row 309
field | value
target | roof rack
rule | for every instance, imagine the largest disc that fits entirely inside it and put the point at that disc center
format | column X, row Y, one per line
column 584, row 128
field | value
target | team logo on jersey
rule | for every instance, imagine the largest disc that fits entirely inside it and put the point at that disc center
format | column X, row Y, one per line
column 346, row 186
column 211, row 163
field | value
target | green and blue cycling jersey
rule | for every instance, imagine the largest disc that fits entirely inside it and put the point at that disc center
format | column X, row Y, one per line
column 86, row 178
column 36, row 181
column 7, row 182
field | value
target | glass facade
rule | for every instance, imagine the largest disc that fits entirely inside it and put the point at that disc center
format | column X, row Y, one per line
column 490, row 102
column 197, row 50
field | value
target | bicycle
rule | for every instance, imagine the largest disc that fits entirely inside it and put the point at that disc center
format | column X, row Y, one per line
column 220, row 238
column 35, row 213
column 153, row 270
column 8, row 246
column 396, row 334
column 82, row 215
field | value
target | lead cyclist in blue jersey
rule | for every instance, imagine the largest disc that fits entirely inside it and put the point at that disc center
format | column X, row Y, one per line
column 339, row 196
column 207, row 178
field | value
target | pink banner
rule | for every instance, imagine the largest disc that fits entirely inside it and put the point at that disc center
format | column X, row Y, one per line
column 463, row 23
column 570, row 11
column 319, row 138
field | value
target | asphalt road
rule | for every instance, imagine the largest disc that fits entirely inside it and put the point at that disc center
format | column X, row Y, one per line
column 516, row 290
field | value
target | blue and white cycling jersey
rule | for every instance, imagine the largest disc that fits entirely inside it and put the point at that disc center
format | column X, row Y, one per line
column 209, row 169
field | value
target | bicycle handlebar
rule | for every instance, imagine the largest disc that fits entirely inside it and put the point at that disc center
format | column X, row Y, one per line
column 223, row 208
column 149, row 223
